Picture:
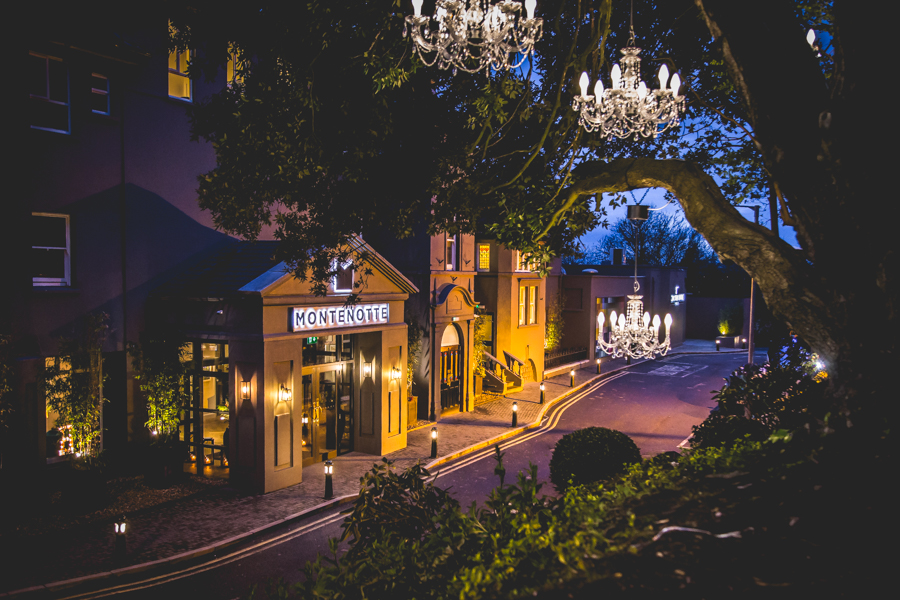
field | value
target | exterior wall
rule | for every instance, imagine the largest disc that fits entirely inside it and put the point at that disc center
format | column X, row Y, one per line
column 127, row 182
column 498, row 291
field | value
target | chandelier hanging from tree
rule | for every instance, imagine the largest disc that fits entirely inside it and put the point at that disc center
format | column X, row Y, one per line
column 629, row 107
column 472, row 35
column 633, row 334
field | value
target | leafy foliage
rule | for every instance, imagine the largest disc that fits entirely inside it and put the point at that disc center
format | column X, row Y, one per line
column 6, row 381
column 718, row 429
column 73, row 381
column 590, row 455
column 731, row 320
column 413, row 350
column 482, row 334
column 159, row 367
column 553, row 333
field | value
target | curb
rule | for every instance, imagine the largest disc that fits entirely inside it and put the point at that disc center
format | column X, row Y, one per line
column 239, row 538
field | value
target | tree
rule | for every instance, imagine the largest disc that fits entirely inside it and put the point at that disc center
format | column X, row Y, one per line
column 159, row 367
column 334, row 109
column 660, row 241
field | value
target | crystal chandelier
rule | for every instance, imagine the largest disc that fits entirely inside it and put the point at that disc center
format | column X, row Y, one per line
column 633, row 334
column 629, row 107
column 472, row 35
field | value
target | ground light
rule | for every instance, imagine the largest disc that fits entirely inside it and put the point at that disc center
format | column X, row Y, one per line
column 743, row 343
column 572, row 378
column 434, row 442
column 718, row 345
column 598, row 366
column 542, row 392
column 119, row 528
column 329, row 486
column 515, row 420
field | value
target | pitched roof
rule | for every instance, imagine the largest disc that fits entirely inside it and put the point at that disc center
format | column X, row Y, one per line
column 222, row 271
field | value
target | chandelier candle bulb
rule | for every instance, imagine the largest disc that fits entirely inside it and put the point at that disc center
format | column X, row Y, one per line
column 584, row 82
column 417, row 8
column 598, row 89
column 663, row 77
column 616, row 75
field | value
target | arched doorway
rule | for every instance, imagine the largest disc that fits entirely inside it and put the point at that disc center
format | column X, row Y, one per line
column 452, row 369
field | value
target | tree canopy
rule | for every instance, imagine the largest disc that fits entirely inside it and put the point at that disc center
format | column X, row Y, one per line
column 336, row 128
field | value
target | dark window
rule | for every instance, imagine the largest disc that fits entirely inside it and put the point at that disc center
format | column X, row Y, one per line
column 50, row 263
column 48, row 89
column 99, row 94
column 343, row 281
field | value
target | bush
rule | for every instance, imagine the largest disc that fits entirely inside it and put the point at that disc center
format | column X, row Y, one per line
column 731, row 320
column 719, row 429
column 590, row 455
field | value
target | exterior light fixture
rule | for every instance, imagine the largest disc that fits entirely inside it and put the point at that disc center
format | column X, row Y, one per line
column 572, row 378
column 395, row 373
column 284, row 394
column 629, row 107
column 598, row 366
column 305, row 419
column 154, row 432
column 743, row 343
column 245, row 390
column 542, row 392
column 515, row 415
column 329, row 486
column 718, row 345
column 119, row 529
column 367, row 369
column 434, row 442
column 472, row 35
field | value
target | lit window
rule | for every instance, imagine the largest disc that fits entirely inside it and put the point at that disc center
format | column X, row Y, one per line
column 50, row 250
column 451, row 253
column 48, row 89
column 343, row 281
column 484, row 257
column 532, row 304
column 523, row 293
column 179, row 80
column 99, row 94
column 235, row 67
column 522, row 263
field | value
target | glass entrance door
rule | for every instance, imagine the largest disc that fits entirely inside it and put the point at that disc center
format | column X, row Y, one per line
column 327, row 410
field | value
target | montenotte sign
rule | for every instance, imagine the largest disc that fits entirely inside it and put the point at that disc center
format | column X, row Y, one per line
column 311, row 318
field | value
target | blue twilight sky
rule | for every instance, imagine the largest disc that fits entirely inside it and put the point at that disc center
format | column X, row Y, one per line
column 655, row 197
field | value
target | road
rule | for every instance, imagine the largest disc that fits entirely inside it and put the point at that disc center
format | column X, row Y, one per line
column 655, row 403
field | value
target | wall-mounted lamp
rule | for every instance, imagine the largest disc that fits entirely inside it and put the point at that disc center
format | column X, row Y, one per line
column 284, row 394
column 367, row 369
column 395, row 373
column 245, row 390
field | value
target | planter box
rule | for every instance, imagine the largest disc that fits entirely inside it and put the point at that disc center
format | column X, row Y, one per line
column 729, row 341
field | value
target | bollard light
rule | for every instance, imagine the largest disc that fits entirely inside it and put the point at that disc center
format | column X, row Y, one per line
column 119, row 528
column 329, row 486
column 718, row 344
column 434, row 442
column 743, row 343
column 572, row 378
column 515, row 420
column 598, row 366
column 542, row 392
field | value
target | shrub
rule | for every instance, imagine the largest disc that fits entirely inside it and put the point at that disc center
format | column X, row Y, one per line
column 719, row 429
column 590, row 455
column 731, row 320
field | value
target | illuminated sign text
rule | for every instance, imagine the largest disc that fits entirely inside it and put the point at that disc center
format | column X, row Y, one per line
column 312, row 318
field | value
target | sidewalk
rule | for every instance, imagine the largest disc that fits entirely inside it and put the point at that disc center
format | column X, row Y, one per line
column 195, row 525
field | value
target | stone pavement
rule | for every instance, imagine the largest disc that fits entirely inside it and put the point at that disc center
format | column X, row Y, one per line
column 183, row 527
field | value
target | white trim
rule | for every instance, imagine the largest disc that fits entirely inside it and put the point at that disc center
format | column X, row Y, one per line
column 65, row 281
column 67, row 103
column 334, row 280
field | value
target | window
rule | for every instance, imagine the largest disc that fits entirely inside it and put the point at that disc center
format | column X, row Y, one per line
column 48, row 89
column 99, row 94
column 532, row 304
column 450, row 258
column 179, row 80
column 522, row 263
column 234, row 67
column 523, row 293
column 343, row 281
column 50, row 250
column 484, row 257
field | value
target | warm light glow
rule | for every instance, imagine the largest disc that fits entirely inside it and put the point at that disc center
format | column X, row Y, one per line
column 329, row 467
column 367, row 369
column 395, row 373
column 584, row 82
column 434, row 433
column 542, row 386
column 284, row 394
column 154, row 432
column 304, row 419
column 120, row 527
column 668, row 321
column 515, row 406
column 245, row 390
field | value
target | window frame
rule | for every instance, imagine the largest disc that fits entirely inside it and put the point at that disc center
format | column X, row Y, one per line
column 99, row 92
column 532, row 304
column 521, row 265
column 68, row 103
column 230, row 65
column 523, row 305
column 66, row 280
column 177, row 71
column 334, row 280
column 451, row 254
column 486, row 247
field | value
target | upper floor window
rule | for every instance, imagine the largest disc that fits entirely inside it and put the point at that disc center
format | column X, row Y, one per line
column 532, row 304
column 528, row 304
column 179, row 80
column 523, row 297
column 484, row 257
column 343, row 281
column 99, row 94
column 450, row 258
column 48, row 89
column 522, row 262
column 50, row 250
column 235, row 66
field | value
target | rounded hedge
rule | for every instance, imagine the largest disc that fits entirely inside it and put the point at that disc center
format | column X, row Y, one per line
column 590, row 455
column 719, row 429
